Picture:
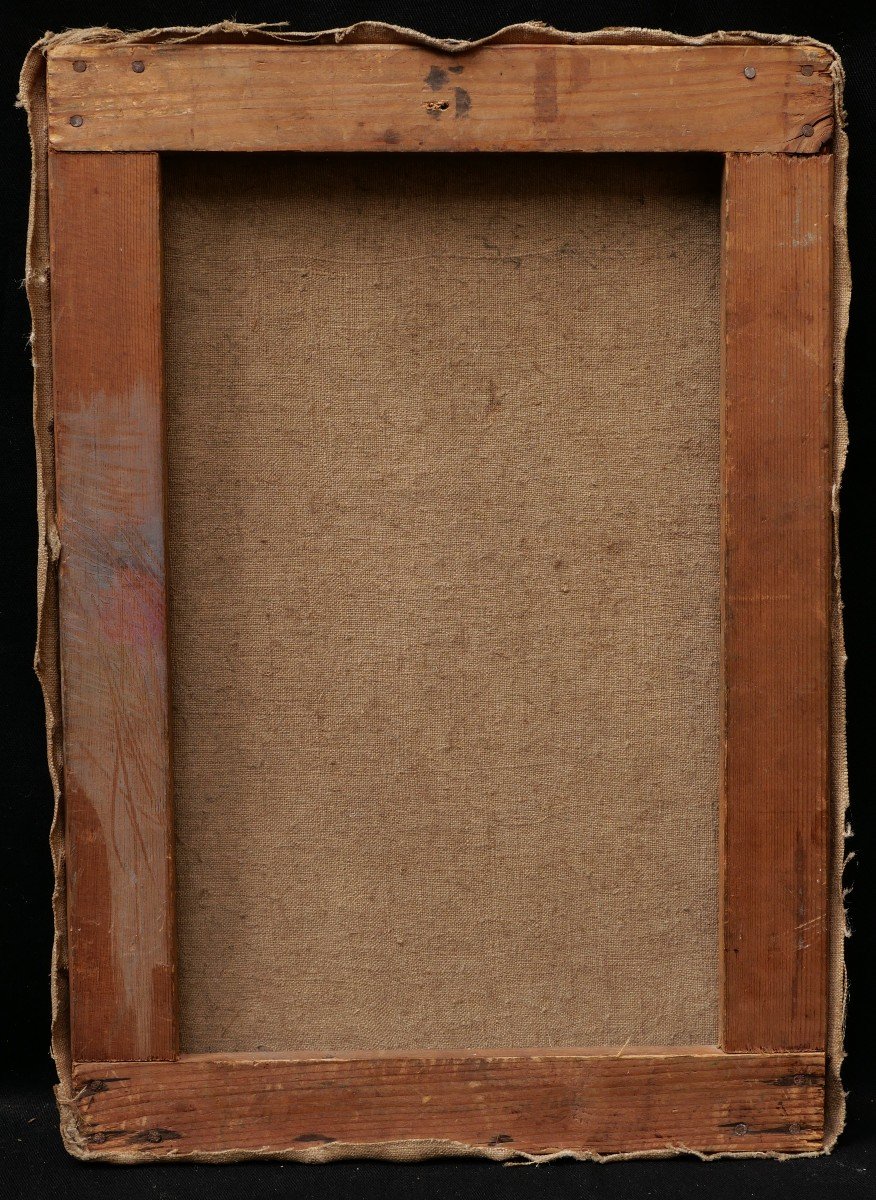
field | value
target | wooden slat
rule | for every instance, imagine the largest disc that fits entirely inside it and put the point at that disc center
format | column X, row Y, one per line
column 778, row 382
column 535, row 1104
column 106, row 328
column 594, row 98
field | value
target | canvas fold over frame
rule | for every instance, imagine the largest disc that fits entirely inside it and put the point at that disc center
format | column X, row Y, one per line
column 104, row 109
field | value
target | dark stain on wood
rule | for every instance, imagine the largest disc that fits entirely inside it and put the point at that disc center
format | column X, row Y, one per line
column 653, row 1100
column 579, row 71
column 154, row 1137
column 545, row 93
column 436, row 79
column 590, row 98
column 91, row 1088
column 803, row 1078
column 98, row 988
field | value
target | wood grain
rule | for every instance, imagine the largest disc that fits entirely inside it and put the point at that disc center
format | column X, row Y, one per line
column 777, row 411
column 109, row 438
column 534, row 1103
column 380, row 97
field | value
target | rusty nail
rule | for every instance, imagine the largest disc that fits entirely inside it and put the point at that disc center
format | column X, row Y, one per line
column 98, row 1138
column 799, row 1080
column 153, row 1135
column 76, row 121
column 138, row 66
column 808, row 131
column 807, row 69
column 793, row 1127
column 741, row 1129
column 750, row 72
column 79, row 64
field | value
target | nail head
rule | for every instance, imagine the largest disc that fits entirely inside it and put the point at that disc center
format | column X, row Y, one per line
column 138, row 66
column 153, row 1136
column 799, row 1080
column 750, row 72
column 808, row 131
column 79, row 64
column 98, row 1138
column 741, row 1129
column 807, row 69
column 793, row 1127
column 76, row 121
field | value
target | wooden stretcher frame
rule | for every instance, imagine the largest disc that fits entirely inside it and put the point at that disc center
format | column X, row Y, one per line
column 769, row 109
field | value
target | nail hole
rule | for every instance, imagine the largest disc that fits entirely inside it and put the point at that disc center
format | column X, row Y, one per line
column 750, row 72
column 808, row 131
column 80, row 64
column 740, row 1130
column 153, row 1136
column 98, row 1138
column 799, row 1080
column 807, row 69
column 76, row 121
column 138, row 66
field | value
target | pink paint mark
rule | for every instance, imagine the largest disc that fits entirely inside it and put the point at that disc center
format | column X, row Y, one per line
column 132, row 611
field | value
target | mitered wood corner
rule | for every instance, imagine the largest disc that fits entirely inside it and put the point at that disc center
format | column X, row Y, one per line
column 527, row 1103
column 753, row 98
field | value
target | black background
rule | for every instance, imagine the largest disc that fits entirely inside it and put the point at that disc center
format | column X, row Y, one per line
column 32, row 1160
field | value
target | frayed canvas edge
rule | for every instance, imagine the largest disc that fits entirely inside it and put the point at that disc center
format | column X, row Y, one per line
column 46, row 662
column 835, row 1096
column 409, row 1151
column 32, row 97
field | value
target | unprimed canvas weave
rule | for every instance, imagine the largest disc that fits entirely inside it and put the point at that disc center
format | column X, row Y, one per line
column 443, row 444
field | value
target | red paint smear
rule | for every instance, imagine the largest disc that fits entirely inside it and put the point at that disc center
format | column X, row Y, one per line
column 132, row 611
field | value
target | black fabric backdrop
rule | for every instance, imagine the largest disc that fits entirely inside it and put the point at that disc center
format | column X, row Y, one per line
column 32, row 1160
